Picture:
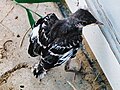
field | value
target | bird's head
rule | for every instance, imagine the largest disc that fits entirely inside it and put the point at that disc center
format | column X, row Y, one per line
column 85, row 17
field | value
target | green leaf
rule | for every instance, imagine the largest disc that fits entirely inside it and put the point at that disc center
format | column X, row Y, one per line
column 30, row 17
column 36, row 1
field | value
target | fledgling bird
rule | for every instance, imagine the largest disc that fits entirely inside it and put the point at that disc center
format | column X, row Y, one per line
column 57, row 41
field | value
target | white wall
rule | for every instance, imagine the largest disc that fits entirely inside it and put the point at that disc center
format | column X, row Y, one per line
column 108, row 11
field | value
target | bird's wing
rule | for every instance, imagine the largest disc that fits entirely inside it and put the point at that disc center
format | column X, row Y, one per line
column 62, row 49
column 56, row 55
column 62, row 52
column 39, row 35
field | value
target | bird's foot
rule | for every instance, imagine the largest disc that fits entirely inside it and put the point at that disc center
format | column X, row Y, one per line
column 39, row 71
column 73, row 69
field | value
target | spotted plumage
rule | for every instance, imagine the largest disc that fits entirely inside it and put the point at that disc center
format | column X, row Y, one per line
column 57, row 41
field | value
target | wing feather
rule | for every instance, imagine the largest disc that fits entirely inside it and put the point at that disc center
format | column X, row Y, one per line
column 39, row 35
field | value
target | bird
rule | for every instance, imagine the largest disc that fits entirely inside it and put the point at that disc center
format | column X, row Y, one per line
column 57, row 41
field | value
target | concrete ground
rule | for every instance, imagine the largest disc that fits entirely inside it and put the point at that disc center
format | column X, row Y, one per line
column 15, row 63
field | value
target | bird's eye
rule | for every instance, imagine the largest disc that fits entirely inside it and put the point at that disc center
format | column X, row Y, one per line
column 84, row 23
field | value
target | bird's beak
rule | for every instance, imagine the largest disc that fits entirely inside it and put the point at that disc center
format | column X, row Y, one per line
column 99, row 23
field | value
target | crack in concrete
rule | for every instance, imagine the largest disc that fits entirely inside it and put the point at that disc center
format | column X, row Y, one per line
column 6, row 75
column 7, row 14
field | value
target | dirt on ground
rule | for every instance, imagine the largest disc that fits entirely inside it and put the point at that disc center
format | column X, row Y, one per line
column 15, row 63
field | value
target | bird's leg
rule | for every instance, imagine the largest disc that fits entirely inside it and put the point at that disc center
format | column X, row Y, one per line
column 67, row 68
column 80, row 65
